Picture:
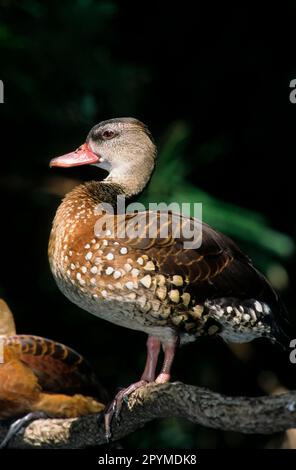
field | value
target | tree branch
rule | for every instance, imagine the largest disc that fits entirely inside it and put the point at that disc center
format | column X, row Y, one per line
column 264, row 415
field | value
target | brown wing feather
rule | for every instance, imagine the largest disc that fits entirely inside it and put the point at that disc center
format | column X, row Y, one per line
column 216, row 268
column 58, row 367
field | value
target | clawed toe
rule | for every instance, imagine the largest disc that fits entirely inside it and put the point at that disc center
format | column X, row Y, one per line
column 114, row 409
column 19, row 424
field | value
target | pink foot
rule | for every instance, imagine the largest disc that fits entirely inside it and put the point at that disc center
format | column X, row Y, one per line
column 115, row 407
column 163, row 378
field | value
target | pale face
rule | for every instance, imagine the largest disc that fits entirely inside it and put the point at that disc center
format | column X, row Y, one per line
column 120, row 144
column 123, row 147
column 114, row 144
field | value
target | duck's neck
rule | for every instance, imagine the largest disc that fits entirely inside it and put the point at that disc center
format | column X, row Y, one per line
column 81, row 207
column 121, row 182
column 132, row 179
column 125, row 181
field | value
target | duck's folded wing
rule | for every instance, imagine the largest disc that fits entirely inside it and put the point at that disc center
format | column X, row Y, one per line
column 209, row 262
column 58, row 367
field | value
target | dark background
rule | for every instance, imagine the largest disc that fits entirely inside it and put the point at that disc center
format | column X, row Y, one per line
column 212, row 83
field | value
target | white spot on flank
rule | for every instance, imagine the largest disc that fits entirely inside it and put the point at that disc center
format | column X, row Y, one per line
column 94, row 270
column 70, row 253
column 93, row 241
column 72, row 266
column 258, row 307
column 84, row 269
column 146, row 281
column 88, row 256
column 104, row 293
column 161, row 280
column 135, row 272
column 161, row 292
column 149, row 266
column 93, row 281
column 140, row 261
column 127, row 267
column 291, row 406
column 177, row 281
column 87, row 246
column 186, row 298
column 78, row 276
column 109, row 271
column 117, row 274
column 129, row 285
column 123, row 250
column 110, row 256
column 174, row 295
column 105, row 243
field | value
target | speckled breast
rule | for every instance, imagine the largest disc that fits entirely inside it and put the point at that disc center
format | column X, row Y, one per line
column 114, row 281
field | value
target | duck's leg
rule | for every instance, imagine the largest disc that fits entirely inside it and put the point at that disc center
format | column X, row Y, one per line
column 153, row 348
column 19, row 424
column 169, row 350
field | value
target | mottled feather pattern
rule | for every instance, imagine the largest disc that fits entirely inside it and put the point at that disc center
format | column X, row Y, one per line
column 160, row 282
column 37, row 346
column 35, row 368
column 57, row 366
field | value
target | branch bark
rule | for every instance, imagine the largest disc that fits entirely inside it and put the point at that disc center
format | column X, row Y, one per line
column 262, row 415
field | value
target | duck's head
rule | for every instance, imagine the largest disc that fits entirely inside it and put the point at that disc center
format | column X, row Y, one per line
column 122, row 146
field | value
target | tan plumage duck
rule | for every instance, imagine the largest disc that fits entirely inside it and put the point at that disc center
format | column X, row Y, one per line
column 38, row 375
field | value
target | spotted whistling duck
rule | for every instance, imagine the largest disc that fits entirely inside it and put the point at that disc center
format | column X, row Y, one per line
column 152, row 284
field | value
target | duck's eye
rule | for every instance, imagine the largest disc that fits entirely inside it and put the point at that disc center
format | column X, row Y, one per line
column 108, row 134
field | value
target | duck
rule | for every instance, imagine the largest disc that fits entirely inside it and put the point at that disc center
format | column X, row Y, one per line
column 146, row 281
column 41, row 377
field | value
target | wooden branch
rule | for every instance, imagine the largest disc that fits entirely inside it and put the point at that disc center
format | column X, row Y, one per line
column 264, row 415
